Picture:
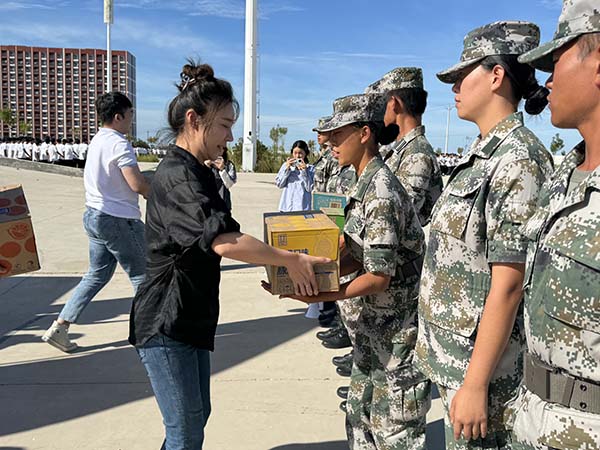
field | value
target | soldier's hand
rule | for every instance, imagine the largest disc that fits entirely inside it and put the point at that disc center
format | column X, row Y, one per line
column 468, row 412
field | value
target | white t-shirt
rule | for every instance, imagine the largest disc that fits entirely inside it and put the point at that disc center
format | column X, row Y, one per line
column 105, row 187
column 68, row 152
column 83, row 148
column 44, row 152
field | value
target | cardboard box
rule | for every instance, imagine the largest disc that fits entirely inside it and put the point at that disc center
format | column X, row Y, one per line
column 336, row 215
column 310, row 232
column 18, row 251
column 322, row 200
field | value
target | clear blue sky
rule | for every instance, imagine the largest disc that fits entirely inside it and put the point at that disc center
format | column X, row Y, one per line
column 311, row 52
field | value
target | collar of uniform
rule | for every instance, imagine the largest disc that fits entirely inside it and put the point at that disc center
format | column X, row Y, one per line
column 360, row 188
column 486, row 147
column 563, row 174
column 411, row 135
column 323, row 155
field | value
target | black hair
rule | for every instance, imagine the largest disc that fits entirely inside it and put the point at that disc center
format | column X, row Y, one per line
column 413, row 99
column 110, row 104
column 77, row 141
column 384, row 134
column 522, row 80
column 302, row 146
column 201, row 91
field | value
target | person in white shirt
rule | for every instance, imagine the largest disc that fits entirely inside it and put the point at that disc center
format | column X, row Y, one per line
column 113, row 182
column 44, row 149
column 68, row 154
column 53, row 156
column 83, row 149
column 3, row 148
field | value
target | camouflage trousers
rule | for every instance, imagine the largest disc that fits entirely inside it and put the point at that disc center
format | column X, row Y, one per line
column 350, row 310
column 388, row 398
column 539, row 425
column 498, row 440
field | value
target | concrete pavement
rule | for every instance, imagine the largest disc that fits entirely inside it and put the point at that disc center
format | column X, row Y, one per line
column 273, row 385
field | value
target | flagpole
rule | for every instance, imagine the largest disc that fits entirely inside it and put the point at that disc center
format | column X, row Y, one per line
column 250, row 111
column 108, row 20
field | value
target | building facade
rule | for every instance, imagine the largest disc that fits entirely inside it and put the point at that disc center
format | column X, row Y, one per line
column 51, row 91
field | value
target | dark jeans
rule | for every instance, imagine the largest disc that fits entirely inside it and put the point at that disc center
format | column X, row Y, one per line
column 180, row 377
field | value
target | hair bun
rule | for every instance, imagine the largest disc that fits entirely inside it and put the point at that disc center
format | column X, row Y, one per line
column 192, row 73
column 388, row 134
column 536, row 100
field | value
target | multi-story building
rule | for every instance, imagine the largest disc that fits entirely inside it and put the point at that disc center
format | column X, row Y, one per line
column 51, row 91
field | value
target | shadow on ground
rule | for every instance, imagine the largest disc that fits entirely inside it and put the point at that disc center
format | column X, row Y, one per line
column 434, row 437
column 90, row 381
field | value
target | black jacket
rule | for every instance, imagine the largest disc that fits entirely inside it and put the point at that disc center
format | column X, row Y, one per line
column 180, row 295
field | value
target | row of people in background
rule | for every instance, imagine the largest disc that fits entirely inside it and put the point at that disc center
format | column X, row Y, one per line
column 507, row 227
column 447, row 162
column 68, row 152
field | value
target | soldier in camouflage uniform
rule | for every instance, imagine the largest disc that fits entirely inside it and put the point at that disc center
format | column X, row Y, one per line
column 326, row 164
column 388, row 397
column 410, row 157
column 469, row 342
column 558, row 406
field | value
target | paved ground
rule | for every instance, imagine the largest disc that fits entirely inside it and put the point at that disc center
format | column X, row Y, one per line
column 273, row 386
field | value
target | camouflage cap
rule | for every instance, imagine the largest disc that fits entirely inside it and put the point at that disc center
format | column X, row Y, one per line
column 399, row 78
column 322, row 121
column 498, row 38
column 355, row 108
column 577, row 17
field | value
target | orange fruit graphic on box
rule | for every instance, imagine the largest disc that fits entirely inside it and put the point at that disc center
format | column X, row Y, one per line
column 19, row 231
column 10, row 249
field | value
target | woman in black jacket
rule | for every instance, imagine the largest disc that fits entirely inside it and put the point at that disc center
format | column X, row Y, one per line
column 188, row 229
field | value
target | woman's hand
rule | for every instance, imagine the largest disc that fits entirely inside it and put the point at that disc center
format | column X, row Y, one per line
column 301, row 166
column 301, row 270
column 219, row 163
column 290, row 162
column 303, row 298
column 208, row 162
column 468, row 412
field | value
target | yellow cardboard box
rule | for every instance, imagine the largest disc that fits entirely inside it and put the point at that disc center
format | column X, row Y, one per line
column 309, row 232
column 18, row 251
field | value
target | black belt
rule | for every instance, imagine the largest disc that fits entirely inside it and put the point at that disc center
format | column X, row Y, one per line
column 554, row 386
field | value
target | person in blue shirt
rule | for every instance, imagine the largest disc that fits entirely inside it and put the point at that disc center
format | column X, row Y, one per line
column 296, row 178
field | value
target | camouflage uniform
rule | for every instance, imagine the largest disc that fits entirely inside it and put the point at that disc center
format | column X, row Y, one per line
column 415, row 164
column 341, row 181
column 562, row 287
column 324, row 168
column 411, row 158
column 325, row 165
column 475, row 224
column 388, row 397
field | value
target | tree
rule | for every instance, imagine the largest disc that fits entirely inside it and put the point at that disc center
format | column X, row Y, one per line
column 152, row 140
column 312, row 146
column 24, row 128
column 267, row 161
column 7, row 117
column 460, row 150
column 438, row 151
column 557, row 144
column 139, row 143
column 277, row 135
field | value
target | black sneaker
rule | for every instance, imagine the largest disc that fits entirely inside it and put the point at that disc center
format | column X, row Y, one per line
column 342, row 392
column 343, row 406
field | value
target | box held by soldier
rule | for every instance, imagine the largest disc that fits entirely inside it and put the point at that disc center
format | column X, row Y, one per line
column 18, row 251
column 309, row 232
column 322, row 200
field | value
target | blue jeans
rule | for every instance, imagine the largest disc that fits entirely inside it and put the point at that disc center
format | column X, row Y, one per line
column 112, row 239
column 180, row 378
